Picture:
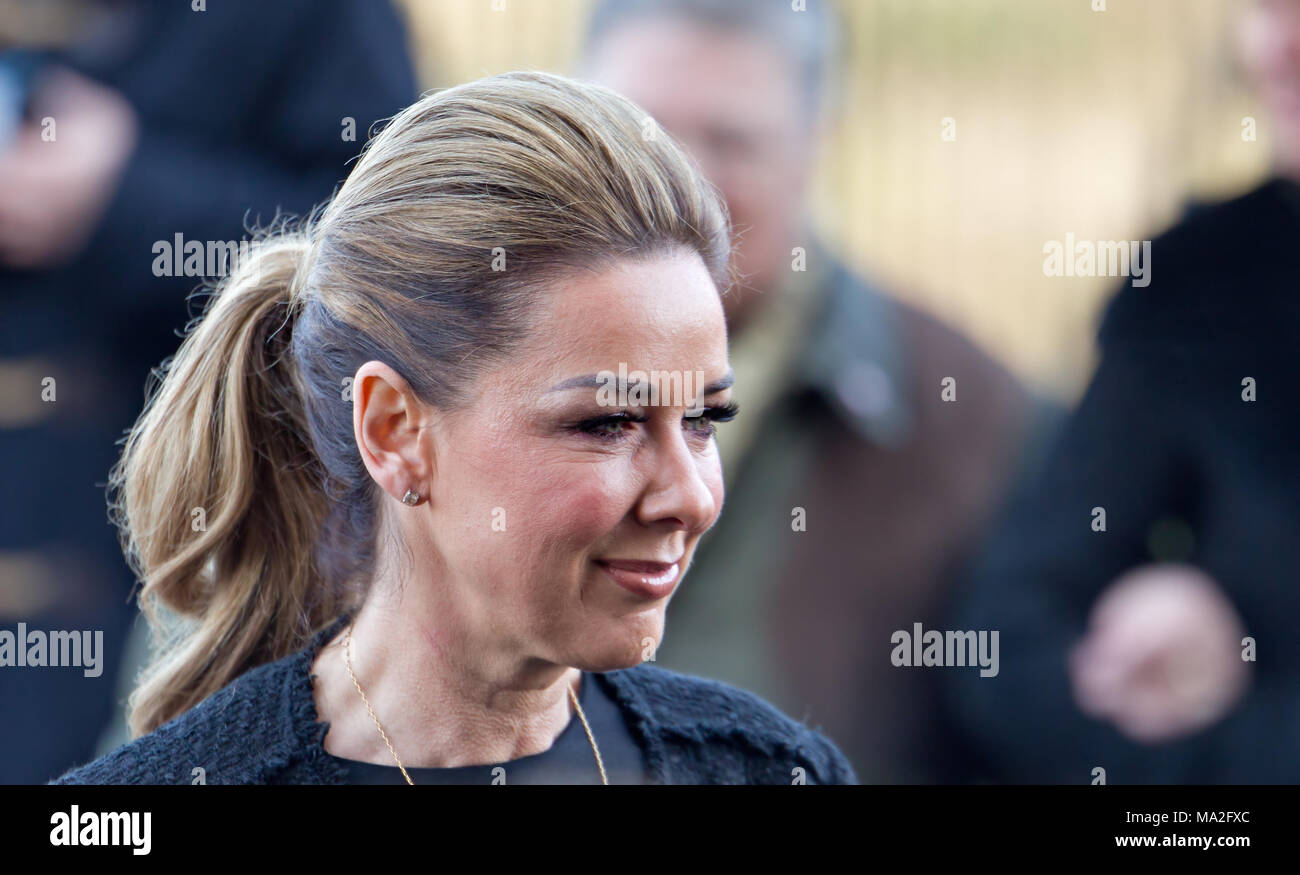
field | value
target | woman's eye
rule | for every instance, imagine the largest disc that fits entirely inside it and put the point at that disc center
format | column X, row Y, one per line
column 701, row 424
column 609, row 427
column 704, row 423
column 616, row 426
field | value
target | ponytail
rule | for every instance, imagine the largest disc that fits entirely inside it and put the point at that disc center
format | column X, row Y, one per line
column 218, row 494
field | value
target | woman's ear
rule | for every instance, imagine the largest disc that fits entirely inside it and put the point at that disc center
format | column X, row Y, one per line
column 389, row 425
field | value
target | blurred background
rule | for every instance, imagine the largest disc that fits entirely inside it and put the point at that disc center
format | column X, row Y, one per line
column 950, row 141
column 1101, row 123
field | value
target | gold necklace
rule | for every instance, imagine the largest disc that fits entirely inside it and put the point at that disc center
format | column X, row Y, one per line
column 347, row 656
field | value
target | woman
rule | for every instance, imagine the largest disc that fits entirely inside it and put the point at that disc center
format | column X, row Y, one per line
column 383, row 481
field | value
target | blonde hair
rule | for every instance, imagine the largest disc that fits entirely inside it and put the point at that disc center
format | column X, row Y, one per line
column 251, row 421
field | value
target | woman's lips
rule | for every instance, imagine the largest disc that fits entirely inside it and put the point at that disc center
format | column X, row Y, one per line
column 652, row 580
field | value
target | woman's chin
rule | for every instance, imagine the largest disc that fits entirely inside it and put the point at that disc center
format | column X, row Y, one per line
column 634, row 644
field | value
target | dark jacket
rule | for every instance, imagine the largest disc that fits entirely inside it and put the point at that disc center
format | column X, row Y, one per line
column 262, row 729
column 241, row 111
column 1187, row 470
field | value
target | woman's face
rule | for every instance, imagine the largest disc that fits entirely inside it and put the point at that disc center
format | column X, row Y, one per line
column 1269, row 43
column 535, row 486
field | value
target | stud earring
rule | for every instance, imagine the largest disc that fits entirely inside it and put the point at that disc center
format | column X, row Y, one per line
column 411, row 498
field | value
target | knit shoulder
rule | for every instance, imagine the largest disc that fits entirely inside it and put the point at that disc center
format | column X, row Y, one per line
column 234, row 736
column 712, row 714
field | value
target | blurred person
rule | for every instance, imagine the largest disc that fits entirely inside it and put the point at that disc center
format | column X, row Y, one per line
column 1160, row 648
column 128, row 124
column 845, row 424
column 434, row 546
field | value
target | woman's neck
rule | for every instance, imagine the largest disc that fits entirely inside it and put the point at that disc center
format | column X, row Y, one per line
column 445, row 697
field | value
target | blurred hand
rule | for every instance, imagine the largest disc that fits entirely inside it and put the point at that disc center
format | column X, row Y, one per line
column 54, row 193
column 1162, row 656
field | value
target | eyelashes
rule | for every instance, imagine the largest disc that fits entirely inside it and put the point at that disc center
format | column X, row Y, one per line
column 616, row 426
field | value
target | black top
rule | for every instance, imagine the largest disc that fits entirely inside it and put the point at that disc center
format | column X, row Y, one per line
column 263, row 728
column 569, row 760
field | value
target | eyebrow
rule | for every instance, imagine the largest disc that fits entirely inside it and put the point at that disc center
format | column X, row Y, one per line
column 593, row 381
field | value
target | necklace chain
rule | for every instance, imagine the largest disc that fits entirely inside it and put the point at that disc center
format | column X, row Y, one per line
column 347, row 656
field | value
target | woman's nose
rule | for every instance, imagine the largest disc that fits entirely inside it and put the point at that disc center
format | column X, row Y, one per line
column 681, row 487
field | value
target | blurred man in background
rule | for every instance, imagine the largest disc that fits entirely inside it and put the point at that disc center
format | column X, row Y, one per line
column 873, row 441
column 1145, row 586
column 129, row 123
